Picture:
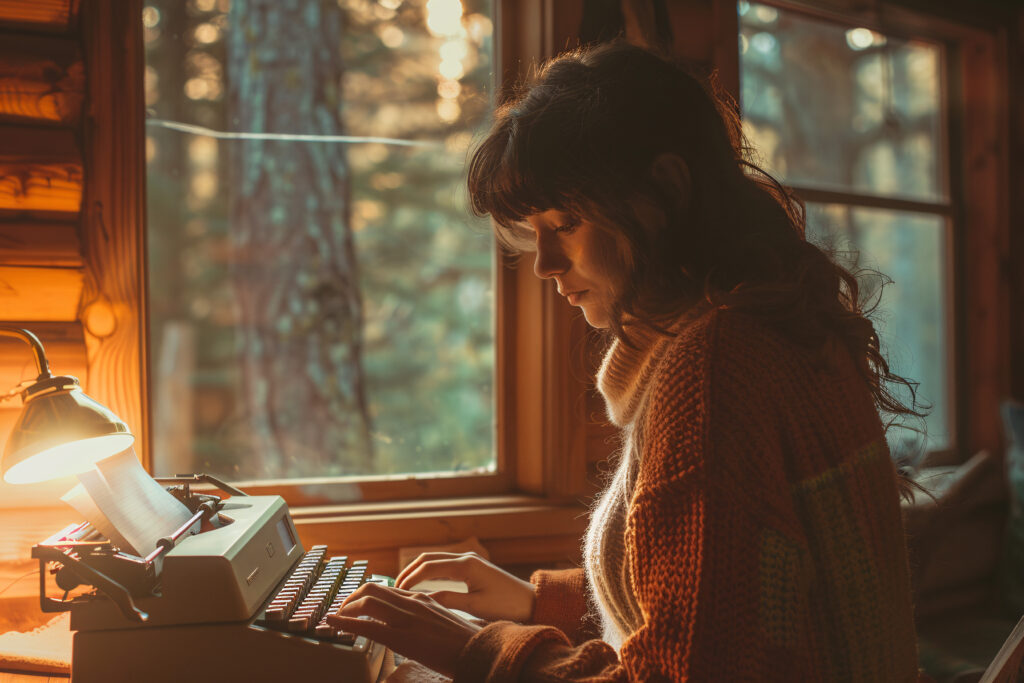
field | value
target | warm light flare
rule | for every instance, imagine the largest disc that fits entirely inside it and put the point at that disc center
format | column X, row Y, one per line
column 451, row 69
column 444, row 17
column 863, row 38
column 67, row 459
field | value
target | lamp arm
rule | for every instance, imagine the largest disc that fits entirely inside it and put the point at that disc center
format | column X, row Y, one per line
column 33, row 341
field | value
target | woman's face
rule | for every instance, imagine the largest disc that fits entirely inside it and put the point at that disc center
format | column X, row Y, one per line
column 581, row 259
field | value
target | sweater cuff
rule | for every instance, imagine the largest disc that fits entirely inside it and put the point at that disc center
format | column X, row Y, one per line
column 560, row 599
column 497, row 652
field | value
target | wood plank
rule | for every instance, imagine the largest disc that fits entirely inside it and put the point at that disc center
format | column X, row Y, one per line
column 987, row 236
column 65, row 351
column 40, row 169
column 40, row 187
column 39, row 243
column 39, row 145
column 42, row 79
column 378, row 530
column 39, row 15
column 334, row 491
column 536, row 550
column 39, row 294
column 114, row 212
column 1016, row 252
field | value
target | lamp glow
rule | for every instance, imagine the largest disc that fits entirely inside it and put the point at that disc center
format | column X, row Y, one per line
column 60, row 431
column 67, row 459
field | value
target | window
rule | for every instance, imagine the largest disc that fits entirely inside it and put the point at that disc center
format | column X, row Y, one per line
column 321, row 303
column 854, row 121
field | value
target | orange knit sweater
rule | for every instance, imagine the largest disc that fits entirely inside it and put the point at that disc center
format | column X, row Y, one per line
column 763, row 540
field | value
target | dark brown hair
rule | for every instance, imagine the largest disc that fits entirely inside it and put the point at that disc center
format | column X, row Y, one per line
column 582, row 136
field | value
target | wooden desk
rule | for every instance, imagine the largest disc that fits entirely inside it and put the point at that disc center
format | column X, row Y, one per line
column 12, row 677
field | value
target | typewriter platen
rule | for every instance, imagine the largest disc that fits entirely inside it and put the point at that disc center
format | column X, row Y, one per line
column 231, row 595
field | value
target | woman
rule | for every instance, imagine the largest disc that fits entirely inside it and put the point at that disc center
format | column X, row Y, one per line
column 752, row 528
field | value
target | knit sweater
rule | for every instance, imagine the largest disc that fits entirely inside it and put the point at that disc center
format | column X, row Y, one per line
column 763, row 539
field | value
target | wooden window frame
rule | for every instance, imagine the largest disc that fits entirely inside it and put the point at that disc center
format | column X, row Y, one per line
column 978, row 294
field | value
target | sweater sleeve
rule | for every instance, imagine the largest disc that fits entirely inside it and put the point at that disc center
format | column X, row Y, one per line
column 561, row 601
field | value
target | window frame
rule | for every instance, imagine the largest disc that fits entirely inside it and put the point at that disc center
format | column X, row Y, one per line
column 976, row 298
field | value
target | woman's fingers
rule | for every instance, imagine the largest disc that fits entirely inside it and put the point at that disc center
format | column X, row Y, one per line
column 387, row 609
column 423, row 557
column 413, row 624
column 415, row 565
column 452, row 600
column 456, row 568
column 387, row 593
column 374, row 630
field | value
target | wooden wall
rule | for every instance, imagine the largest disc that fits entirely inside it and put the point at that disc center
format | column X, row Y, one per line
column 70, row 206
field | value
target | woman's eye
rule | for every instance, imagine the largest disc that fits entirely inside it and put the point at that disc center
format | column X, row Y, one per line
column 568, row 227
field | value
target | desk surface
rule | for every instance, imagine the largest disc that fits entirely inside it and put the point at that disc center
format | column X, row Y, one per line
column 22, row 677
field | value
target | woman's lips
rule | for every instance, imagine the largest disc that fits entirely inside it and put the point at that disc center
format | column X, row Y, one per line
column 574, row 297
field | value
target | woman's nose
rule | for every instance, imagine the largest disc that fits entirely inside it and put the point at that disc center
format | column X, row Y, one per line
column 550, row 260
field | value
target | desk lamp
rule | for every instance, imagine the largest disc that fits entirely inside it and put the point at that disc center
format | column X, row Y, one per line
column 60, row 431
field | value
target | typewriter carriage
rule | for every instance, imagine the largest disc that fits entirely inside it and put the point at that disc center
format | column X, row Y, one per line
column 76, row 557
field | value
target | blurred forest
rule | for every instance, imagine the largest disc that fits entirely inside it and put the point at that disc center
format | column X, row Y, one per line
column 318, row 307
column 855, row 112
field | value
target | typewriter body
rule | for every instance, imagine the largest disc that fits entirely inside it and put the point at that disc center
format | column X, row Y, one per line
column 231, row 595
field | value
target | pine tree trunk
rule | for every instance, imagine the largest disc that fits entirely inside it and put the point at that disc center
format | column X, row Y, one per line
column 294, row 267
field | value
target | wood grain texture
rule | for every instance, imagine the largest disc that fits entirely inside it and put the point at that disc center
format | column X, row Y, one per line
column 1015, row 254
column 39, row 15
column 39, row 243
column 27, row 186
column 987, row 234
column 39, row 294
column 113, row 214
column 40, row 170
column 42, row 79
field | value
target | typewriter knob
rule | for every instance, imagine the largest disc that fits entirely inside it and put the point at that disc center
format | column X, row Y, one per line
column 67, row 579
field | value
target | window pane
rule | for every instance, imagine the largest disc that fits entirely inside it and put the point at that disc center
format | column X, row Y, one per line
column 912, row 320
column 318, row 306
column 842, row 107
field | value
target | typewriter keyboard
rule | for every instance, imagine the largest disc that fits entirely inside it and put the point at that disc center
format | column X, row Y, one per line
column 315, row 588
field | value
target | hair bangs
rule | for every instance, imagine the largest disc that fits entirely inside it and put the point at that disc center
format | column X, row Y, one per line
column 508, row 180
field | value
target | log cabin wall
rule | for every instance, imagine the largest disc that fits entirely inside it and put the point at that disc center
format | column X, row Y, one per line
column 71, row 211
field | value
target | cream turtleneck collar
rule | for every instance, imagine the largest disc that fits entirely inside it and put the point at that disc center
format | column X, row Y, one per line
column 626, row 371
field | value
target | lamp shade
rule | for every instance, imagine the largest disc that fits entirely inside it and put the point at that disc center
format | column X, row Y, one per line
column 60, row 432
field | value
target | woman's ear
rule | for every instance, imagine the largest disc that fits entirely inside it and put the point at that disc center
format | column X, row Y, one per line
column 671, row 174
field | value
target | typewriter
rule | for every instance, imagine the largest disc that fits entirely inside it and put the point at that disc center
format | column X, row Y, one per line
column 231, row 596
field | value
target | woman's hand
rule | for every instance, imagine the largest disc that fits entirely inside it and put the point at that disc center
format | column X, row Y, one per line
column 412, row 624
column 494, row 594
